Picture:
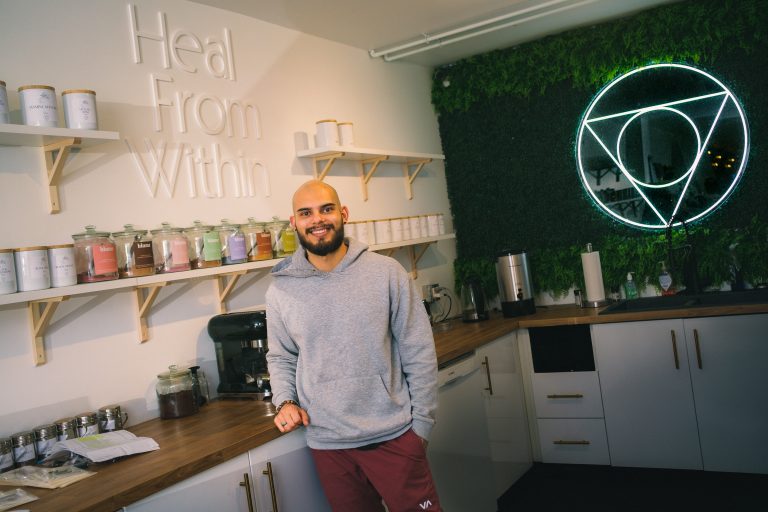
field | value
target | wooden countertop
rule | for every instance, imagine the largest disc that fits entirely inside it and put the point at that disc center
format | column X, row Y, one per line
column 224, row 429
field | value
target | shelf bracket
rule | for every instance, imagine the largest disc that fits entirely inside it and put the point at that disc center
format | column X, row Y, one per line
column 411, row 175
column 225, row 283
column 416, row 256
column 366, row 176
column 54, row 166
column 40, row 315
column 144, row 303
column 330, row 159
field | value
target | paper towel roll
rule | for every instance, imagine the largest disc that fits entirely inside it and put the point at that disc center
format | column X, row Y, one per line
column 593, row 276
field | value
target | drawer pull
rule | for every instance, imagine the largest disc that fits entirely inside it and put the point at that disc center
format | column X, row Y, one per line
column 271, row 476
column 487, row 365
column 572, row 395
column 674, row 350
column 562, row 441
column 698, row 347
column 247, row 484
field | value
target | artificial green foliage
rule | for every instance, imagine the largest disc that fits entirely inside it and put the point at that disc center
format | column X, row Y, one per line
column 483, row 269
column 508, row 124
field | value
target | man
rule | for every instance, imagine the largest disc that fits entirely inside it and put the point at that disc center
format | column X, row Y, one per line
column 351, row 358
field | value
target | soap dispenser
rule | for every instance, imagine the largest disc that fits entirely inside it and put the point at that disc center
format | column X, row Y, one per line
column 630, row 288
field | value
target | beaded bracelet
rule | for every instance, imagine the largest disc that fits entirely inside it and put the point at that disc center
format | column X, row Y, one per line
column 285, row 402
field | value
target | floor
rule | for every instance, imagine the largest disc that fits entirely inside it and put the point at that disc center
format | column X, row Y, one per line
column 565, row 487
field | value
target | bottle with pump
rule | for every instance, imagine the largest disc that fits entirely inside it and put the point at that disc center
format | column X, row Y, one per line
column 665, row 281
column 630, row 288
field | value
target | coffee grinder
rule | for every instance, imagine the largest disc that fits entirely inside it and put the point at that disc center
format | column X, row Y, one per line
column 241, row 349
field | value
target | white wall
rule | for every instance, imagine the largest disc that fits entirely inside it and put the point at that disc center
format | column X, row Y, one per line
column 94, row 357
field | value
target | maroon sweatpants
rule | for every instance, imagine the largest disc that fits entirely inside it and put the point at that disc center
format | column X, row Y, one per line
column 397, row 471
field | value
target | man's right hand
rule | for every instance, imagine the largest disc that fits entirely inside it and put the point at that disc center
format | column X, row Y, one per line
column 291, row 417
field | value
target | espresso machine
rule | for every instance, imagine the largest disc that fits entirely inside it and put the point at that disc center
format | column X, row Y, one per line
column 241, row 349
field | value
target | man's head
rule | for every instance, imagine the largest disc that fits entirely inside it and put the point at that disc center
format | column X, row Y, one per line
column 318, row 218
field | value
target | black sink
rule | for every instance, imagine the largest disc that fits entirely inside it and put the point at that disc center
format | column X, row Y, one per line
column 682, row 301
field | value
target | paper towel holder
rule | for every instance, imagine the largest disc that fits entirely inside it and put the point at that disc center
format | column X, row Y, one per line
column 585, row 303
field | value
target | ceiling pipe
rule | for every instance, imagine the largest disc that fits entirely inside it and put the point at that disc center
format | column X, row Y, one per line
column 438, row 40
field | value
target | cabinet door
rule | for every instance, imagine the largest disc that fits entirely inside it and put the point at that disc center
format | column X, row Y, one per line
column 647, row 397
column 505, row 409
column 293, row 483
column 217, row 488
column 729, row 370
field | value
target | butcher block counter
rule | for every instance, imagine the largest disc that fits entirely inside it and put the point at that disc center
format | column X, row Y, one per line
column 225, row 429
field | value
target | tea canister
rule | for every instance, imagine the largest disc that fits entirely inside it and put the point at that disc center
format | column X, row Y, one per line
column 415, row 224
column 32, row 272
column 326, row 133
column 45, row 438
column 7, row 272
column 232, row 243
column 433, row 226
column 170, row 249
column 135, row 257
column 258, row 241
column 6, row 455
column 95, row 256
column 424, row 226
column 363, row 232
column 66, row 428
column 383, row 229
column 61, row 260
column 175, row 395
column 204, row 246
column 276, row 231
column 406, row 228
column 289, row 240
column 396, row 229
column 24, row 448
column 80, row 109
column 38, row 105
column 346, row 134
column 350, row 229
column 440, row 224
column 4, row 110
column 87, row 424
column 111, row 418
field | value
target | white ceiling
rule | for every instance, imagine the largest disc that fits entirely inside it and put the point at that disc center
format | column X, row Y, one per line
column 379, row 24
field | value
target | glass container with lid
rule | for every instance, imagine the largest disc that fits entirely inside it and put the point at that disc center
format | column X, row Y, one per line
column 204, row 246
column 233, row 248
column 276, row 229
column 289, row 239
column 175, row 394
column 258, row 241
column 200, row 386
column 170, row 249
column 95, row 256
column 134, row 252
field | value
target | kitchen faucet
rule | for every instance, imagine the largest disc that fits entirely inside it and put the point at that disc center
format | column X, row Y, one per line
column 689, row 264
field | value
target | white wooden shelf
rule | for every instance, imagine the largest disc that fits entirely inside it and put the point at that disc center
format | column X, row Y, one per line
column 368, row 161
column 42, row 304
column 56, row 144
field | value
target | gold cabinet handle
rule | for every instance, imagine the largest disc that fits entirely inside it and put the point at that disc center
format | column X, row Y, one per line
column 247, row 484
column 271, row 477
column 674, row 350
column 579, row 442
column 489, row 389
column 571, row 395
column 698, row 347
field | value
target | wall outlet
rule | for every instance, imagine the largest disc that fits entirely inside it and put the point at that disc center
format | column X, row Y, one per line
column 430, row 293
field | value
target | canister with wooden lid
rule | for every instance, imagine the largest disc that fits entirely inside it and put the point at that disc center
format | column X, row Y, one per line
column 80, row 109
column 61, row 259
column 4, row 109
column 32, row 272
column 326, row 133
column 7, row 272
column 38, row 105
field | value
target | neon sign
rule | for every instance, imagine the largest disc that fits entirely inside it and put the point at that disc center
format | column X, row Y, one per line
column 661, row 145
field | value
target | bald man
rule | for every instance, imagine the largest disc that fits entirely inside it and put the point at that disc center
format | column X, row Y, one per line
column 352, row 359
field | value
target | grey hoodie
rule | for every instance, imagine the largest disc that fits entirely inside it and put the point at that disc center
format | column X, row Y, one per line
column 353, row 346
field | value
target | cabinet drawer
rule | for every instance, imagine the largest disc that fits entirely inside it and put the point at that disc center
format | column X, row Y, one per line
column 567, row 395
column 573, row 441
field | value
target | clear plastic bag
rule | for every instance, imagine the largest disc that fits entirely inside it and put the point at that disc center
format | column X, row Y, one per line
column 47, row 478
column 15, row 497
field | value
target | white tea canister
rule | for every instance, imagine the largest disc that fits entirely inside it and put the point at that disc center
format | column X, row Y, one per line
column 433, row 227
column 326, row 133
column 80, row 109
column 4, row 110
column 7, row 272
column 350, row 229
column 396, row 228
column 32, row 271
column 346, row 134
column 406, row 228
column 424, row 226
column 362, row 232
column 383, row 231
column 61, row 259
column 38, row 105
column 415, row 226
column 440, row 224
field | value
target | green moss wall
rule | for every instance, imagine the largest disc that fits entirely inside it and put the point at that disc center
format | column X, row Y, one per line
column 509, row 120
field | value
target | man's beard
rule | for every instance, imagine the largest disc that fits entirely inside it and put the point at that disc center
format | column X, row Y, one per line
column 323, row 248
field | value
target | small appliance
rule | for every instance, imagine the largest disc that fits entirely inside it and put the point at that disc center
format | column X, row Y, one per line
column 515, row 290
column 473, row 307
column 241, row 349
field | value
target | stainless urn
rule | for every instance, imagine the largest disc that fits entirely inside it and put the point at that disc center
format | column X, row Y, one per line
column 515, row 288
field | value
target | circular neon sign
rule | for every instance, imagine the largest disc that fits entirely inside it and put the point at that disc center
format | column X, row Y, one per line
column 661, row 145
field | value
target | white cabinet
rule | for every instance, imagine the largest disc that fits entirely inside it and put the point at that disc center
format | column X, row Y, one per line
column 505, row 410
column 219, row 488
column 728, row 358
column 686, row 394
column 285, row 478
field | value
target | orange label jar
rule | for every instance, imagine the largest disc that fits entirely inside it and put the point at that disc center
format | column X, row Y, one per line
column 95, row 256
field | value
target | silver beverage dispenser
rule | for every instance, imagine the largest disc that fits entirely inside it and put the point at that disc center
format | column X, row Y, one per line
column 241, row 350
column 515, row 288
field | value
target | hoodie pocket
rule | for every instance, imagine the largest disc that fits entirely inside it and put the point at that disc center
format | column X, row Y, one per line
column 358, row 408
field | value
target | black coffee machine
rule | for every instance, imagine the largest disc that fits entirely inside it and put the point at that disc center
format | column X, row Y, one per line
column 241, row 349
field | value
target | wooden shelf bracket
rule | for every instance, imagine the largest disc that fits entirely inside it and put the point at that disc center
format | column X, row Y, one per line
column 144, row 304
column 40, row 315
column 416, row 256
column 366, row 175
column 330, row 159
column 409, row 175
column 55, row 165
column 225, row 283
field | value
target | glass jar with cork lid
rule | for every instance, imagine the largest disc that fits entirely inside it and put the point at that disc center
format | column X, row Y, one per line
column 134, row 252
column 95, row 256
column 175, row 395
